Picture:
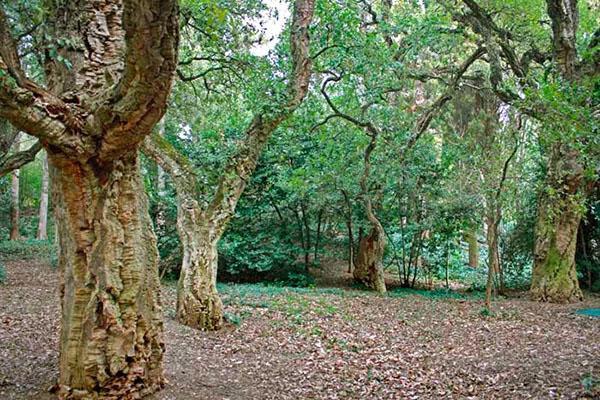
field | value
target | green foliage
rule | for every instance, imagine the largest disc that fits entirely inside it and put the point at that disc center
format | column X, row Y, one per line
column 435, row 294
column 2, row 272
column 19, row 250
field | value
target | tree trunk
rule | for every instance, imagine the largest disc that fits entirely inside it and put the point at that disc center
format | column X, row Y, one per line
column 15, row 209
column 368, row 268
column 111, row 341
column 554, row 276
column 318, row 236
column 198, row 302
column 306, row 224
column 471, row 238
column 350, row 244
column 42, row 231
column 14, row 206
column 493, row 258
column 348, row 218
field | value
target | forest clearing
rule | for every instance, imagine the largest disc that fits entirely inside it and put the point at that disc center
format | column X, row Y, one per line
column 299, row 199
column 289, row 343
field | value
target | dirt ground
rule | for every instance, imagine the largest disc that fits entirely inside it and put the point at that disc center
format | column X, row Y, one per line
column 329, row 344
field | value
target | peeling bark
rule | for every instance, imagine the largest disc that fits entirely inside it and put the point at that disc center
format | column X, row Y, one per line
column 111, row 333
column 90, row 118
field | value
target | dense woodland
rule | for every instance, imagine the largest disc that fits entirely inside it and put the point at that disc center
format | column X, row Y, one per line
column 377, row 147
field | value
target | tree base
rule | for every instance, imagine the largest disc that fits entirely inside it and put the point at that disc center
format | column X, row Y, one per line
column 556, row 295
column 201, row 312
column 122, row 390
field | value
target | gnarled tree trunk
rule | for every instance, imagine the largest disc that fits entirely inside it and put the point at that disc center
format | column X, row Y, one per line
column 100, row 102
column 198, row 302
column 111, row 334
column 202, row 225
column 554, row 276
column 368, row 268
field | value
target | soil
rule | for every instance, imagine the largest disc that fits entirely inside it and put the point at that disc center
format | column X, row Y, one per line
column 336, row 344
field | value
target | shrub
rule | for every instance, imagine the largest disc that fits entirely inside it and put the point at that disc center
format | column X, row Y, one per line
column 18, row 250
column 299, row 279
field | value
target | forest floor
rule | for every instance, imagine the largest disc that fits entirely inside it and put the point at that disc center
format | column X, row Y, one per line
column 284, row 343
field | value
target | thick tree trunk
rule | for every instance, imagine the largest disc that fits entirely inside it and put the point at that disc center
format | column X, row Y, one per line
column 198, row 302
column 554, row 276
column 368, row 268
column 111, row 341
column 42, row 231
column 15, row 209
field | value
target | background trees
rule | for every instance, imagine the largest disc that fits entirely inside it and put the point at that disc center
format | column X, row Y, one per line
column 414, row 144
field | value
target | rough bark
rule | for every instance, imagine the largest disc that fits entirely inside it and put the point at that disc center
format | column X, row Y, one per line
column 368, row 268
column 111, row 332
column 90, row 118
column 17, row 160
column 492, row 221
column 42, row 231
column 554, row 276
column 198, row 303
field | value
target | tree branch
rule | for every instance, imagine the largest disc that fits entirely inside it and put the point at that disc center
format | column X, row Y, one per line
column 243, row 163
column 176, row 165
column 139, row 100
column 17, row 160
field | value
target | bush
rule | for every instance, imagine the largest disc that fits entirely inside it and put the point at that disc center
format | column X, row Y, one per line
column 299, row 279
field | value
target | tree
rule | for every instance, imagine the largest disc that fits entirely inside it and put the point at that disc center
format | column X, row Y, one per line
column 15, row 203
column 559, row 212
column 566, row 90
column 108, row 72
column 201, row 226
column 11, row 161
column 42, row 232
